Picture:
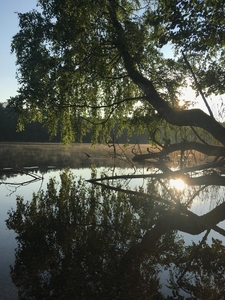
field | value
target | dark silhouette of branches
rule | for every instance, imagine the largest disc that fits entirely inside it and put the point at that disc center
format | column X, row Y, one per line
column 197, row 84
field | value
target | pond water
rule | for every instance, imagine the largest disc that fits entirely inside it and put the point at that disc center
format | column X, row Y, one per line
column 33, row 180
column 13, row 185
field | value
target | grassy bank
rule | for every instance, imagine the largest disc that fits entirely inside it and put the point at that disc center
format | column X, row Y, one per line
column 45, row 154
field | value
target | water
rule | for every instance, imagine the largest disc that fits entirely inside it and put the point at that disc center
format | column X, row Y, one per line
column 25, row 185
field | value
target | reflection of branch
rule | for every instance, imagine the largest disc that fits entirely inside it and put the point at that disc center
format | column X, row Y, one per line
column 192, row 256
column 34, row 177
column 179, row 217
column 215, row 216
column 22, row 183
column 133, row 176
column 197, row 84
column 129, row 192
column 171, row 220
column 195, row 194
column 184, row 146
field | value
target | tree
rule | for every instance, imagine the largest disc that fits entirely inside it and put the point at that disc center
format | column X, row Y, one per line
column 93, row 64
column 88, row 64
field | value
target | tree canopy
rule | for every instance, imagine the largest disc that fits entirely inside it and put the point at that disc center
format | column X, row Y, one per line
column 92, row 64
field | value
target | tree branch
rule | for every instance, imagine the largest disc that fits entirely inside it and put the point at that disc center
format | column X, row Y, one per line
column 192, row 117
column 209, row 150
column 103, row 106
column 197, row 84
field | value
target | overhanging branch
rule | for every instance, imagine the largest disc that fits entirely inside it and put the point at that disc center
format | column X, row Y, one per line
column 192, row 117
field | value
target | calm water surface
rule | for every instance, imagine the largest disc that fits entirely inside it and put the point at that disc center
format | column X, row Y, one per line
column 8, row 193
column 11, row 187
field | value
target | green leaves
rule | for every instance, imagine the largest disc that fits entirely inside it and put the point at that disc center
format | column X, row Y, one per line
column 71, row 67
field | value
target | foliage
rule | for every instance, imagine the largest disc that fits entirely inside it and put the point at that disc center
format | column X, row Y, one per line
column 196, row 28
column 70, row 68
column 35, row 132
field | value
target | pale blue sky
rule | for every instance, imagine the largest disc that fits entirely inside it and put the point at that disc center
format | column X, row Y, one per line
column 8, row 28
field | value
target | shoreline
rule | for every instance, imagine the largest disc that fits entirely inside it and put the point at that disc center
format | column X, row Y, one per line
column 21, row 154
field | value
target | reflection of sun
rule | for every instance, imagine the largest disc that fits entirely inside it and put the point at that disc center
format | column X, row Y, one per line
column 178, row 184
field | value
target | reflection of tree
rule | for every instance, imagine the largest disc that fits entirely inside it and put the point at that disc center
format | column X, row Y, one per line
column 71, row 242
column 196, row 270
column 203, row 275
column 77, row 241
column 12, row 186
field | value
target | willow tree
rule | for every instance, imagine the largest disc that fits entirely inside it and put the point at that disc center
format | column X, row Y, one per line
column 91, row 65
column 88, row 65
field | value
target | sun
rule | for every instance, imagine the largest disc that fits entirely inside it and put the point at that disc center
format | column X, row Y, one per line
column 178, row 184
column 181, row 103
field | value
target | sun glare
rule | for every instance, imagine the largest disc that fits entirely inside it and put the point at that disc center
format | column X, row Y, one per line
column 178, row 184
column 181, row 103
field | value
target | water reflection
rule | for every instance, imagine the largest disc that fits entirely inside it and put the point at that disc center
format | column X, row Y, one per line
column 74, row 241
column 78, row 239
column 178, row 184
column 101, row 242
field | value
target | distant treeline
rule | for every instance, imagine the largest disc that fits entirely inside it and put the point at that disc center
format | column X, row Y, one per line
column 35, row 132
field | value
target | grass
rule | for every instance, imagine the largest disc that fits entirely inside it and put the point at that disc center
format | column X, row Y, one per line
column 19, row 155
column 54, row 154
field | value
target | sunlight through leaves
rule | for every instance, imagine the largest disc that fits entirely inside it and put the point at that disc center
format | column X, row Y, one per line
column 178, row 184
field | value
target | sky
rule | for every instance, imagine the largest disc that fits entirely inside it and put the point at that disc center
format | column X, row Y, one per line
column 8, row 28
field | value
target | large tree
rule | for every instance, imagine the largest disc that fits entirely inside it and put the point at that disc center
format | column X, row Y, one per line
column 94, row 64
